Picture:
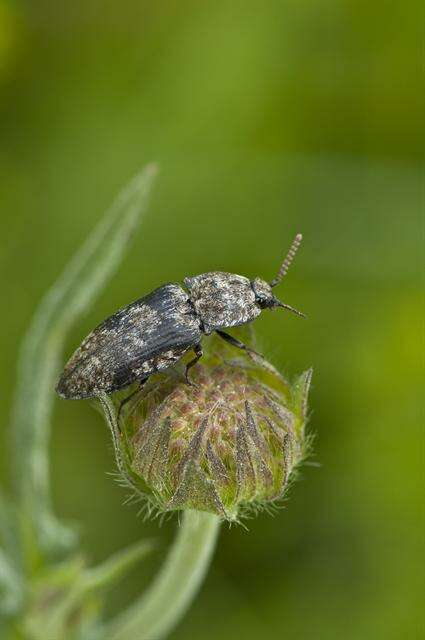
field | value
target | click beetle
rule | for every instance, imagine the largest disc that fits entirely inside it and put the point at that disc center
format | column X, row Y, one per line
column 155, row 331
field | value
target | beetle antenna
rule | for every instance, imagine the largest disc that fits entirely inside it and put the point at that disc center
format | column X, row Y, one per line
column 287, row 262
column 289, row 308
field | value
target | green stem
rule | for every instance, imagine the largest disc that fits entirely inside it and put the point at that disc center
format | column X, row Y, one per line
column 162, row 606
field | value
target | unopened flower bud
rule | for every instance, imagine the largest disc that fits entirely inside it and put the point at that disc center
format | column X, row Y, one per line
column 224, row 444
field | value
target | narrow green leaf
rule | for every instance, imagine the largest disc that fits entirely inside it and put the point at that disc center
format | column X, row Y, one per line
column 114, row 567
column 11, row 586
column 76, row 597
column 71, row 295
column 8, row 527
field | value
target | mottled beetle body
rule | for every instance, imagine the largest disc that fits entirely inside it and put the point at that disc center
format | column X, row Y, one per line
column 222, row 300
column 155, row 331
column 148, row 335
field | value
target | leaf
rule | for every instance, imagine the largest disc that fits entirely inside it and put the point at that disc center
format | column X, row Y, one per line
column 11, row 586
column 114, row 567
column 71, row 591
column 9, row 524
column 72, row 294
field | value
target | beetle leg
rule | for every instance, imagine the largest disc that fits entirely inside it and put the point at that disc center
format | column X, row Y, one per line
column 128, row 398
column 237, row 343
column 254, row 355
column 198, row 354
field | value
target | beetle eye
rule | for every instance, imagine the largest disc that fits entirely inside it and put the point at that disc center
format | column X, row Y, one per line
column 264, row 302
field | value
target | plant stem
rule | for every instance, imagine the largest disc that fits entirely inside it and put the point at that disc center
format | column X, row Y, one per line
column 162, row 606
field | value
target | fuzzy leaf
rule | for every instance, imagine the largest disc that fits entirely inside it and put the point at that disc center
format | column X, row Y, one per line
column 11, row 586
column 72, row 294
column 114, row 567
column 72, row 592
column 9, row 523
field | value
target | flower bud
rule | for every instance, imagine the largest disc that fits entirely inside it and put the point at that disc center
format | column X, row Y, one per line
column 224, row 444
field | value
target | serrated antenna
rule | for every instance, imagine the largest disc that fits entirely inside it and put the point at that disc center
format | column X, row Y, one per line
column 287, row 262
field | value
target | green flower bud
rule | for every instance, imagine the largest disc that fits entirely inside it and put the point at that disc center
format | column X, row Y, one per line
column 226, row 444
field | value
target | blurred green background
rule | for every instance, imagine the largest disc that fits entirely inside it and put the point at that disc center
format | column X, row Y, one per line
column 267, row 118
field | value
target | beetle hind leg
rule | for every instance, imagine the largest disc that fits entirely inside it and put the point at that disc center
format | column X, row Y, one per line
column 198, row 354
column 127, row 399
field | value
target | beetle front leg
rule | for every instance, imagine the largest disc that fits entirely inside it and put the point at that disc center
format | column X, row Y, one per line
column 254, row 355
column 240, row 345
column 198, row 354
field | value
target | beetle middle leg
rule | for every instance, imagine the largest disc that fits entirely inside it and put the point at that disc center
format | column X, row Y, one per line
column 198, row 354
column 124, row 401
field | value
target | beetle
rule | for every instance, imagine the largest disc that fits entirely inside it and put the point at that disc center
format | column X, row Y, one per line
column 155, row 331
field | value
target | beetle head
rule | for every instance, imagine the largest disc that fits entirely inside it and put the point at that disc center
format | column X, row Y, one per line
column 263, row 290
